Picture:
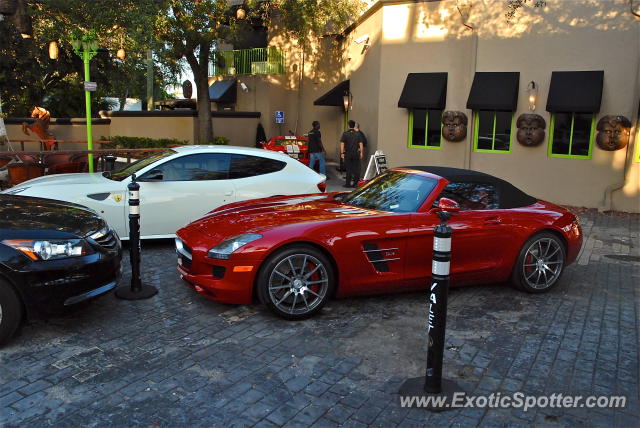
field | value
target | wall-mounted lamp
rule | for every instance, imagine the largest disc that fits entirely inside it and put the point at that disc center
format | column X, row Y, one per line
column 53, row 50
column 241, row 13
column 347, row 100
column 121, row 54
column 532, row 90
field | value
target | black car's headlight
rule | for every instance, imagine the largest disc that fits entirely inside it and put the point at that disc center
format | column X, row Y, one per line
column 50, row 249
column 226, row 248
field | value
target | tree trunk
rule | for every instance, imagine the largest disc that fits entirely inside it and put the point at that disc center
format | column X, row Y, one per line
column 200, row 69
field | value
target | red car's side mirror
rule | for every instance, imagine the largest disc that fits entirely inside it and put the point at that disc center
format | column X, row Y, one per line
column 448, row 205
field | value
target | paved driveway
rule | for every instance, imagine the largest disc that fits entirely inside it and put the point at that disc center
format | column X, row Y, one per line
column 180, row 360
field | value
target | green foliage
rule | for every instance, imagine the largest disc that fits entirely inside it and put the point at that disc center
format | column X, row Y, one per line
column 221, row 141
column 28, row 77
column 123, row 142
column 514, row 5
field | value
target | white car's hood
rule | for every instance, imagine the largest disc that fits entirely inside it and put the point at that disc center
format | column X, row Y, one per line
column 67, row 179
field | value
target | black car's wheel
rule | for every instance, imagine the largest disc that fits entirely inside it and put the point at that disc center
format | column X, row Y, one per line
column 296, row 282
column 10, row 311
column 540, row 263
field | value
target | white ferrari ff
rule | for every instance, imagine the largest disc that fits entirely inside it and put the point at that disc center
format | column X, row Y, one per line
column 179, row 185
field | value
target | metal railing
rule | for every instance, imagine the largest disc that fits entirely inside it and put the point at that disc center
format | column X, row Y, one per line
column 269, row 60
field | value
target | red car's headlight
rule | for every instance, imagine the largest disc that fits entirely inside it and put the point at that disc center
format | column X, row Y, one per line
column 226, row 248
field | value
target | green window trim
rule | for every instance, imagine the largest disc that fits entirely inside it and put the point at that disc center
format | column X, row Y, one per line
column 476, row 128
column 426, row 127
column 592, row 134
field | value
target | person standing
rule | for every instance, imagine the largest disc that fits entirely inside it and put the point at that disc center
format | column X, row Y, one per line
column 352, row 150
column 316, row 149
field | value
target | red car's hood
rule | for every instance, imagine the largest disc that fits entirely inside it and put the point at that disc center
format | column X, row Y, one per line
column 264, row 214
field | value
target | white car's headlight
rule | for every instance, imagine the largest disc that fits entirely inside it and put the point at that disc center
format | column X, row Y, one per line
column 15, row 190
column 226, row 248
column 50, row 249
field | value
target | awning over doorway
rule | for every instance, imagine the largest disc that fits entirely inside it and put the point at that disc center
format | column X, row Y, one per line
column 223, row 91
column 575, row 91
column 334, row 96
column 494, row 91
column 424, row 90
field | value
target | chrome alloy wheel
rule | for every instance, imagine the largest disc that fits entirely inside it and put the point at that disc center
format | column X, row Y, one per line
column 298, row 283
column 543, row 263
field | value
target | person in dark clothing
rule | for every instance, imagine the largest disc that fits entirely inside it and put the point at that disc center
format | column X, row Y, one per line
column 352, row 150
column 364, row 138
column 316, row 150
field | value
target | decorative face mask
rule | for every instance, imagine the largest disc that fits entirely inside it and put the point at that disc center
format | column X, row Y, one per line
column 530, row 129
column 613, row 132
column 454, row 126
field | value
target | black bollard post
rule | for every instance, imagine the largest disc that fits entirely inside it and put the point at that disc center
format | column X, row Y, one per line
column 437, row 393
column 110, row 163
column 137, row 290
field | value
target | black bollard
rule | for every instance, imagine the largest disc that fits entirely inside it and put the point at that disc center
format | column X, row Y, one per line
column 110, row 163
column 137, row 290
column 436, row 393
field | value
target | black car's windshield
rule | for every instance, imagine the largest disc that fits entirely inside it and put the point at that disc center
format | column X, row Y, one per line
column 138, row 165
column 394, row 191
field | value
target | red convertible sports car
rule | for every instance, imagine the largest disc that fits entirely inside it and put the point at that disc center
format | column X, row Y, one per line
column 295, row 252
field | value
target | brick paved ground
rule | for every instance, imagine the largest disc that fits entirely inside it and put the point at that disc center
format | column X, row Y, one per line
column 180, row 360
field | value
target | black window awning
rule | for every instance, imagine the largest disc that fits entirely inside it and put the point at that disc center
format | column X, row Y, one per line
column 223, row 91
column 334, row 96
column 575, row 91
column 424, row 90
column 494, row 91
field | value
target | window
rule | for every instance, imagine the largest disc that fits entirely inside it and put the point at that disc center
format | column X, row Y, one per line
column 392, row 191
column 243, row 166
column 197, row 167
column 492, row 131
column 425, row 128
column 471, row 196
column 571, row 135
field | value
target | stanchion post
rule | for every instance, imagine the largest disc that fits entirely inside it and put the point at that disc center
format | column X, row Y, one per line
column 432, row 384
column 137, row 290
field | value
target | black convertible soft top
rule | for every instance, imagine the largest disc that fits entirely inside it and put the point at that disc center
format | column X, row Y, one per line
column 510, row 196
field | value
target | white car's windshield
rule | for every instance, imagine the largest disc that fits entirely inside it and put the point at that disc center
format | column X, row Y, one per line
column 140, row 164
column 393, row 191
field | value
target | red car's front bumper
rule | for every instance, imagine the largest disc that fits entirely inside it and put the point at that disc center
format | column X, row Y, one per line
column 227, row 281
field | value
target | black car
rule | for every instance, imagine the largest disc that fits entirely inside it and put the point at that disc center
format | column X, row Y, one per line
column 53, row 254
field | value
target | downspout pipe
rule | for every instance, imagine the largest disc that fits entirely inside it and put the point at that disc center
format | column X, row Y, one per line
column 473, row 68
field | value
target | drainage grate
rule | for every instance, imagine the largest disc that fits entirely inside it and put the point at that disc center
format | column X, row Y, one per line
column 624, row 257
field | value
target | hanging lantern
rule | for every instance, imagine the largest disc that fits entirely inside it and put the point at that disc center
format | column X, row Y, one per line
column 53, row 50
column 532, row 90
column 241, row 13
column 8, row 7
column 121, row 54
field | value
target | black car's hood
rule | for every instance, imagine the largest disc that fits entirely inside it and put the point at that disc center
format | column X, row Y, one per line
column 21, row 213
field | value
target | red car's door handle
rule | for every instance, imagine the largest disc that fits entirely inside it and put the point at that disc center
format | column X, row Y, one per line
column 493, row 220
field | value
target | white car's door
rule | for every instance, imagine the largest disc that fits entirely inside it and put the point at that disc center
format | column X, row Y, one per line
column 181, row 190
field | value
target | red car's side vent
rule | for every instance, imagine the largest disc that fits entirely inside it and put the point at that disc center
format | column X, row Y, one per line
column 376, row 256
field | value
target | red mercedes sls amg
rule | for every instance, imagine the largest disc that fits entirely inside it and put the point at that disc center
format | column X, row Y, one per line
column 295, row 252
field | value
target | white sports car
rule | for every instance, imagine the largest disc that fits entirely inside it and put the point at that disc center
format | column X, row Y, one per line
column 179, row 185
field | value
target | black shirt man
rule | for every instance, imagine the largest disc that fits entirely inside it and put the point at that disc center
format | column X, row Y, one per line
column 352, row 150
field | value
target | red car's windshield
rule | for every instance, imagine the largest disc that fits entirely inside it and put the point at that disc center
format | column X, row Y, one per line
column 393, row 191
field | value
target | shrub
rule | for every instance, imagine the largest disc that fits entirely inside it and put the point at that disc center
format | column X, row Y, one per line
column 221, row 141
column 123, row 142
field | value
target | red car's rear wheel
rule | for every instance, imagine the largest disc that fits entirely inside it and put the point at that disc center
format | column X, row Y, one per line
column 296, row 282
column 540, row 263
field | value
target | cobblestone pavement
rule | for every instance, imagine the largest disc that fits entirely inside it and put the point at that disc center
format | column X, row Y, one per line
column 180, row 360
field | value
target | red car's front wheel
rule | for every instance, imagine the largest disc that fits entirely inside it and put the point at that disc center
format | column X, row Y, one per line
column 296, row 282
column 540, row 263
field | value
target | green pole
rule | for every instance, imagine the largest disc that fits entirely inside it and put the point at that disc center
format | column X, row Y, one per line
column 87, row 99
